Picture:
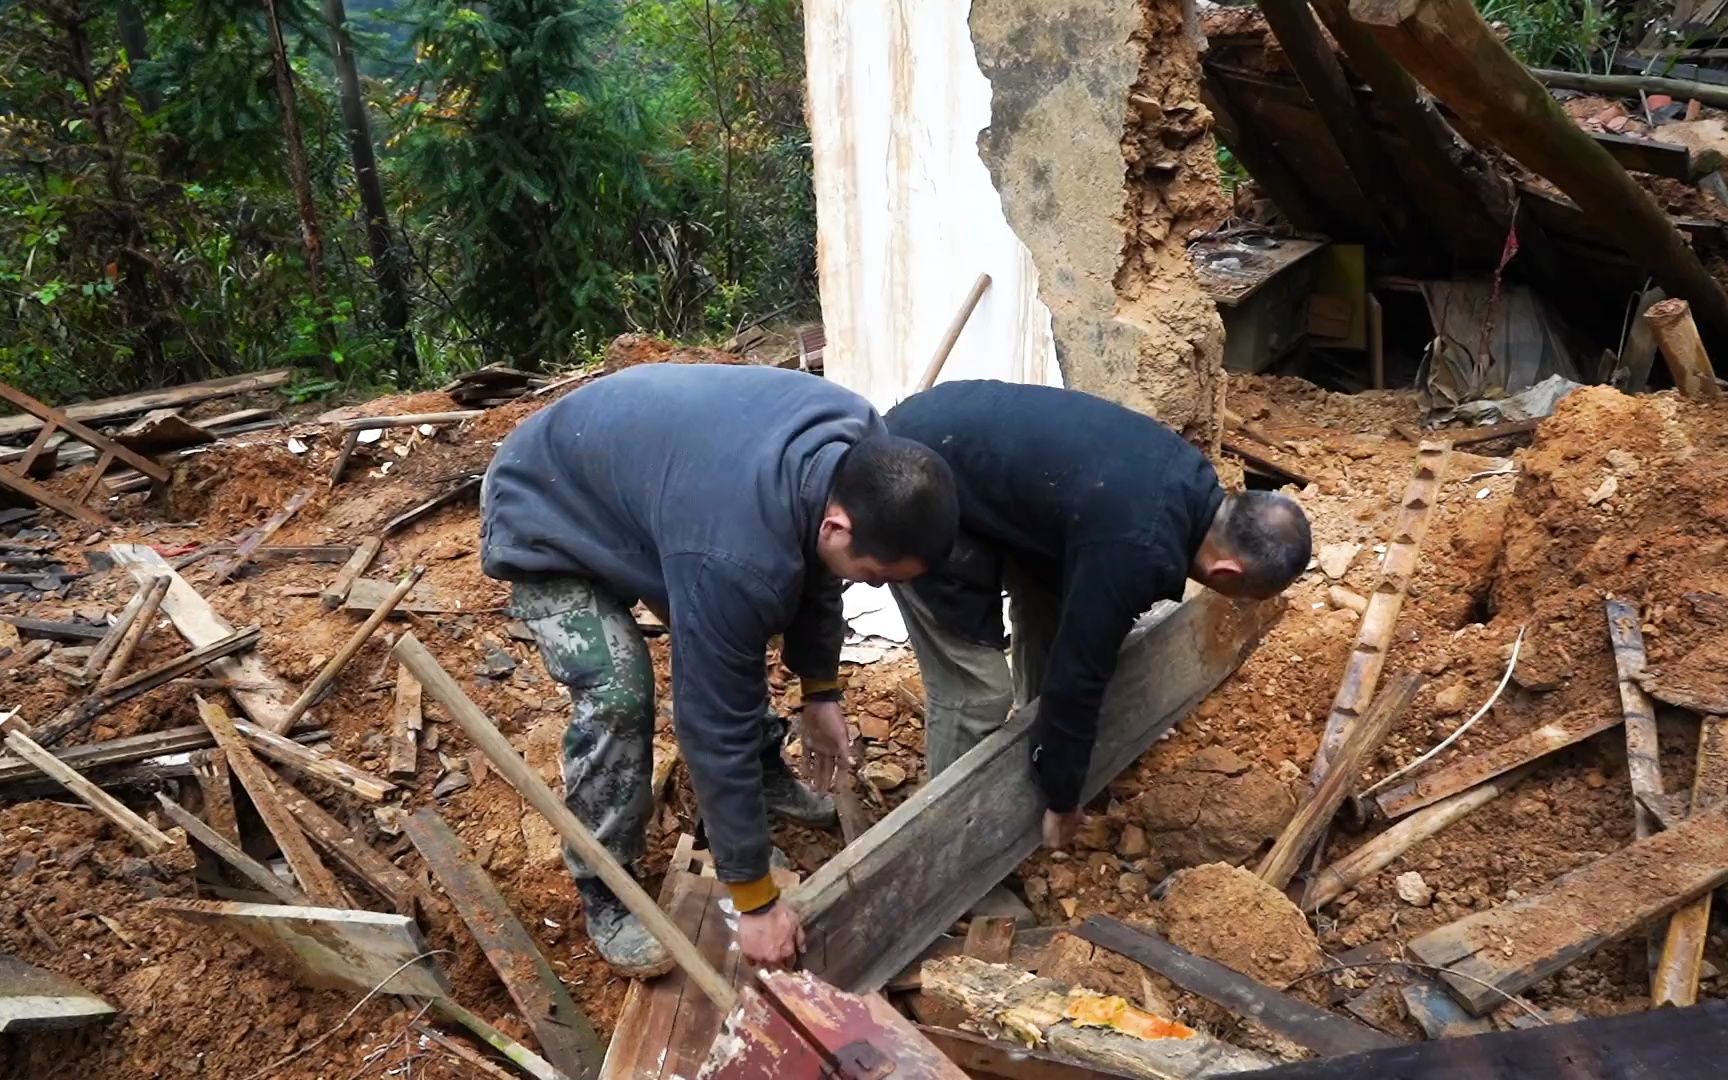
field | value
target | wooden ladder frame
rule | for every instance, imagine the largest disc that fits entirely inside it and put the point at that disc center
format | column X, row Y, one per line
column 16, row 476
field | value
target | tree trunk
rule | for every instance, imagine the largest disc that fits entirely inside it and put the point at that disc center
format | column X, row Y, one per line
column 386, row 253
column 135, row 37
column 300, row 177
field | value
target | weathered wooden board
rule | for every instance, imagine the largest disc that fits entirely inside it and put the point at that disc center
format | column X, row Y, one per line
column 334, row 948
column 1515, row 945
column 349, row 851
column 199, row 624
column 32, row 999
column 132, row 404
column 886, row 896
column 1665, row 1043
column 1463, row 775
column 565, row 1035
column 1324, row 1032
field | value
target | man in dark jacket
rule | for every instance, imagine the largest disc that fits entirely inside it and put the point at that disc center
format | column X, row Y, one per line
column 1088, row 514
column 735, row 500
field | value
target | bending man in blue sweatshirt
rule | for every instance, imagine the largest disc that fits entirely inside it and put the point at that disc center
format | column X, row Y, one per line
column 735, row 500
column 1087, row 513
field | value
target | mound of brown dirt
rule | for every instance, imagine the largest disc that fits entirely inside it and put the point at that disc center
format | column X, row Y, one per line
column 1213, row 807
column 1227, row 914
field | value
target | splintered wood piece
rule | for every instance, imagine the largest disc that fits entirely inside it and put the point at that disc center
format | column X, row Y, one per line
column 314, row 877
column 333, row 948
column 79, row 716
column 357, row 641
column 199, row 624
column 1379, row 853
column 1463, row 775
column 406, row 719
column 1314, row 815
column 32, row 999
column 350, row 852
column 1682, row 962
column 96, row 666
column 515, row 771
column 144, row 834
column 1516, row 945
column 310, row 762
column 229, row 852
column 26, row 654
column 1677, row 334
column 349, row 442
column 244, row 550
column 1643, row 756
column 885, row 897
column 564, row 1033
column 401, row 521
column 217, row 786
column 356, row 565
column 1374, row 636
column 1324, row 1032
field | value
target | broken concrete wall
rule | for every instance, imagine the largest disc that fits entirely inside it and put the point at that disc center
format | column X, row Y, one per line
column 1104, row 161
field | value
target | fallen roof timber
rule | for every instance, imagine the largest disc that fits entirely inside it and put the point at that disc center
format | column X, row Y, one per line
column 887, row 895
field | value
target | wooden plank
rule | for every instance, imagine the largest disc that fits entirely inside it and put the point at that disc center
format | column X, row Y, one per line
column 96, row 666
column 244, row 550
column 55, row 630
column 367, row 423
column 83, row 432
column 642, row 1039
column 32, row 999
column 349, row 442
column 350, row 648
column 1643, row 755
column 314, row 877
column 1323, row 1032
column 1670, row 1043
column 990, row 938
column 981, row 1057
column 199, row 624
column 40, row 495
column 1435, row 1011
column 316, row 764
column 1314, row 815
column 229, row 852
column 21, row 658
column 1026, row 952
column 366, row 595
column 78, row 716
column 132, row 404
column 1280, row 472
column 1682, row 960
column 1647, row 155
column 337, row 592
column 469, row 486
column 563, row 1031
column 112, row 752
column 349, row 851
column 216, row 784
column 406, row 718
column 1378, row 853
column 885, row 897
column 520, row 1056
column 333, row 948
column 144, row 834
column 1465, row 774
column 1512, row 947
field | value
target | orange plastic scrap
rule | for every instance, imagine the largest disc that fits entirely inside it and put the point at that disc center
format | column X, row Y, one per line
column 1087, row 1010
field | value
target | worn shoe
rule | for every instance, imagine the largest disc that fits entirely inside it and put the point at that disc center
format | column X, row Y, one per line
column 620, row 937
column 790, row 800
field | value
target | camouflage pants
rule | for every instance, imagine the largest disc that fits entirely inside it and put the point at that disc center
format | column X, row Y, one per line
column 589, row 641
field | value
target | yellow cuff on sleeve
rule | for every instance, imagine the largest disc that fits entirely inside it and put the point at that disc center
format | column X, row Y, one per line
column 818, row 686
column 748, row 896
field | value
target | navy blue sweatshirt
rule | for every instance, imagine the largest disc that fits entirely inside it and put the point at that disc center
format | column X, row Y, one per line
column 699, row 488
column 1102, row 504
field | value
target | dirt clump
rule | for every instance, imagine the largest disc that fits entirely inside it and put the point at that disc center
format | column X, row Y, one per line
column 1212, row 807
column 1226, row 914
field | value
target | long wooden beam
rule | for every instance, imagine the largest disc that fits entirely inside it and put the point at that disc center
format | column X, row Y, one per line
column 130, row 404
column 1467, row 773
column 890, row 893
column 1682, row 962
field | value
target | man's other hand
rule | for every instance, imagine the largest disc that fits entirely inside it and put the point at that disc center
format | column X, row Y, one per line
column 826, row 749
column 771, row 938
column 1059, row 829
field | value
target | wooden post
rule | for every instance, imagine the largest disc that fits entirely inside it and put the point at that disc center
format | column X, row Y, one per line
column 528, row 784
column 952, row 334
column 136, row 631
column 1315, row 814
column 144, row 834
column 406, row 718
column 305, row 760
column 1677, row 973
column 1671, row 322
column 98, row 661
column 1448, row 46
column 1643, row 755
column 1315, row 62
column 1374, row 637
column 1633, row 85
column 356, row 642
column 352, row 569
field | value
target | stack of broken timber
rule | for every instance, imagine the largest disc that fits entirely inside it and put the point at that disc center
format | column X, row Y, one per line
column 491, row 385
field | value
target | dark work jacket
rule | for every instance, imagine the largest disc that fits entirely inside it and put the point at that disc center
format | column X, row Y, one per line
column 1097, row 502
column 699, row 488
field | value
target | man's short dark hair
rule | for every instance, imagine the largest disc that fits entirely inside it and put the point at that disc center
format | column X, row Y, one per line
column 900, row 496
column 1269, row 533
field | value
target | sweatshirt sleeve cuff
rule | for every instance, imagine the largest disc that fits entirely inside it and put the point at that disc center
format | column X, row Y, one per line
column 748, row 896
column 821, row 689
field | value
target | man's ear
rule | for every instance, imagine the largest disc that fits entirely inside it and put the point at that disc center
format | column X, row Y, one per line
column 835, row 520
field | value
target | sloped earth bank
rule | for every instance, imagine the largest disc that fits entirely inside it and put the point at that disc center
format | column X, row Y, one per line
column 1537, row 548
